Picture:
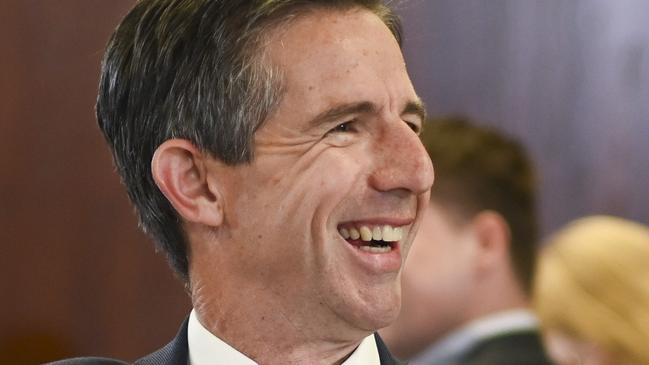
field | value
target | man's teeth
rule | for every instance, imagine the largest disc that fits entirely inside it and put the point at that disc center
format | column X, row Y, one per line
column 366, row 233
column 376, row 249
column 384, row 233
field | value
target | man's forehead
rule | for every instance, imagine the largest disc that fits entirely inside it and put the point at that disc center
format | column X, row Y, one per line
column 316, row 32
column 315, row 51
column 335, row 63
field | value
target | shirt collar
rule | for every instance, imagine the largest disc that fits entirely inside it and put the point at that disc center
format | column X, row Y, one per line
column 365, row 353
column 204, row 348
column 450, row 348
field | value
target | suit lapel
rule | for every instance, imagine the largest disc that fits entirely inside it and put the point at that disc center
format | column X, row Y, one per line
column 175, row 353
column 384, row 354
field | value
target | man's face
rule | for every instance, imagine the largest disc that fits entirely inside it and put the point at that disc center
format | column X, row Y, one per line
column 438, row 279
column 338, row 154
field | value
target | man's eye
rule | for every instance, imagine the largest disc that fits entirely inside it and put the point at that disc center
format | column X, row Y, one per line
column 343, row 128
column 415, row 127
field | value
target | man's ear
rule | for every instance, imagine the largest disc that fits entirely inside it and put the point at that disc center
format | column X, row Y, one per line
column 180, row 171
column 493, row 238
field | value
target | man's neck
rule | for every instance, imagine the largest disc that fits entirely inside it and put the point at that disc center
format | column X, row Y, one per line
column 268, row 333
column 501, row 293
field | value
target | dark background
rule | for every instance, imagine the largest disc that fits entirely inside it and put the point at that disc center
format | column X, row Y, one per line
column 569, row 78
column 78, row 276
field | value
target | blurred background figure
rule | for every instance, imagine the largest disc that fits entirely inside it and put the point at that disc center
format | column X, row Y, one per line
column 467, row 279
column 591, row 293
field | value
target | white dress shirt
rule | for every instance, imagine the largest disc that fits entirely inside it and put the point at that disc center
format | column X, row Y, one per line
column 207, row 349
column 451, row 348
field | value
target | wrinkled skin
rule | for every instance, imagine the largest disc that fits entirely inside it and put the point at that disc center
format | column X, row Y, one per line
column 279, row 260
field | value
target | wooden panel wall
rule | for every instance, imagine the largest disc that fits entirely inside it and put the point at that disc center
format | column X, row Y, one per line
column 78, row 276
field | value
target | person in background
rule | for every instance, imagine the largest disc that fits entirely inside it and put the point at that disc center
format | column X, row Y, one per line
column 591, row 293
column 271, row 150
column 467, row 281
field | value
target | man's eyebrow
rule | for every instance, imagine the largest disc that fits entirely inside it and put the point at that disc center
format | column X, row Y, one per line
column 364, row 107
column 343, row 110
column 417, row 108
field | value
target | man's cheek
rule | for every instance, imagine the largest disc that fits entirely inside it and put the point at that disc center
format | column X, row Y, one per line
column 330, row 167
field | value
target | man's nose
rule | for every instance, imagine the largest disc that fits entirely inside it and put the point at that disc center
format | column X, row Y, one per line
column 402, row 162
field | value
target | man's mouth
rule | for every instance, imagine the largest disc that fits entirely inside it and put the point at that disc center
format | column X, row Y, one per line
column 372, row 238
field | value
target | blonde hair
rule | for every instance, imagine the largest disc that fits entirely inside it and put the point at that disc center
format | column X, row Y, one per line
column 593, row 284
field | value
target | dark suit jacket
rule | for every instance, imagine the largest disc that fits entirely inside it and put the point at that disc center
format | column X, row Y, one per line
column 176, row 353
column 522, row 348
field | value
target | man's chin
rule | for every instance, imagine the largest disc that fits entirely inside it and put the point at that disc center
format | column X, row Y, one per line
column 380, row 311
column 364, row 301
column 375, row 321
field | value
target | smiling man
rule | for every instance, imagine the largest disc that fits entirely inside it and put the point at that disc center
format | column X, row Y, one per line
column 271, row 150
